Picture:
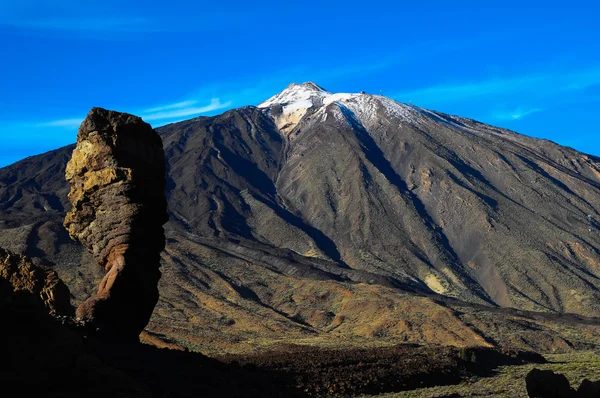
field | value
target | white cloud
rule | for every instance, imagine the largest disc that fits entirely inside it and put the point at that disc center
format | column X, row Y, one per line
column 67, row 15
column 80, row 24
column 515, row 114
column 177, row 105
column 165, row 113
column 543, row 84
column 461, row 91
column 67, row 123
column 183, row 109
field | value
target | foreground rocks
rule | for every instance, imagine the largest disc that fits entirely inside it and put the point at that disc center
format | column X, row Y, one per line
column 378, row 370
column 46, row 356
column 547, row 384
column 41, row 355
column 117, row 179
column 589, row 389
column 23, row 276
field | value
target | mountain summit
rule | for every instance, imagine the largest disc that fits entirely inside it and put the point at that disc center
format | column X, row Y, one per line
column 297, row 100
column 318, row 213
column 296, row 92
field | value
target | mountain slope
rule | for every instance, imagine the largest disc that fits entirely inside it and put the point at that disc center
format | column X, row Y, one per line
column 432, row 201
column 319, row 214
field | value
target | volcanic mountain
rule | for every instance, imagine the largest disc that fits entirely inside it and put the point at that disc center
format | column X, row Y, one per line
column 351, row 215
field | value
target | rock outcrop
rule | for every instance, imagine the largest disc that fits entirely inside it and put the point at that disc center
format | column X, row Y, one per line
column 23, row 276
column 547, row 384
column 117, row 178
column 589, row 389
column 44, row 355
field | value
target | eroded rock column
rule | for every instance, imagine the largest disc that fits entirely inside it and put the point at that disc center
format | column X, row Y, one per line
column 117, row 177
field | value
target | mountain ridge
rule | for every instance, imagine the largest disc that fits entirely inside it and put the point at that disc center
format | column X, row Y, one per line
column 354, row 193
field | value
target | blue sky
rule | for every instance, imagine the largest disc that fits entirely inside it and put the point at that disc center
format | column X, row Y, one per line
column 533, row 67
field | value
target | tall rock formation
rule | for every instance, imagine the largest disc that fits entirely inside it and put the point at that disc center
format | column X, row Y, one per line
column 117, row 178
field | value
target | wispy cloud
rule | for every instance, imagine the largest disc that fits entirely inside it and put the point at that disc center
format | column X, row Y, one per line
column 158, row 114
column 177, row 105
column 70, row 16
column 515, row 114
column 467, row 90
column 183, row 109
column 68, row 123
column 540, row 84
column 241, row 91
column 97, row 24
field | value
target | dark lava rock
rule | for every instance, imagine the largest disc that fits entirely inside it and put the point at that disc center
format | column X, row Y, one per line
column 117, row 178
column 547, row 384
column 589, row 389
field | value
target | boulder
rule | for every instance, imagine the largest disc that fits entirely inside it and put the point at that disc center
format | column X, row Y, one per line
column 589, row 389
column 547, row 384
column 117, row 179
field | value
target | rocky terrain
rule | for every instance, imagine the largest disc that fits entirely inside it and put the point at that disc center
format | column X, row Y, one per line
column 50, row 356
column 348, row 220
column 46, row 353
column 546, row 383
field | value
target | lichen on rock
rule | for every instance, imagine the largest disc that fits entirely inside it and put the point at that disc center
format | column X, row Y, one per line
column 117, row 178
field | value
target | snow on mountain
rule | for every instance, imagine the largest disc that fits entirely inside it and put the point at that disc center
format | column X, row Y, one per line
column 295, row 93
column 297, row 99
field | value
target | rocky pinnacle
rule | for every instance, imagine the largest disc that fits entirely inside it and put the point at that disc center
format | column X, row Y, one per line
column 117, row 178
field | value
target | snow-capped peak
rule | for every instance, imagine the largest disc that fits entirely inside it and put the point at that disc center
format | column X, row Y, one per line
column 295, row 93
column 297, row 99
